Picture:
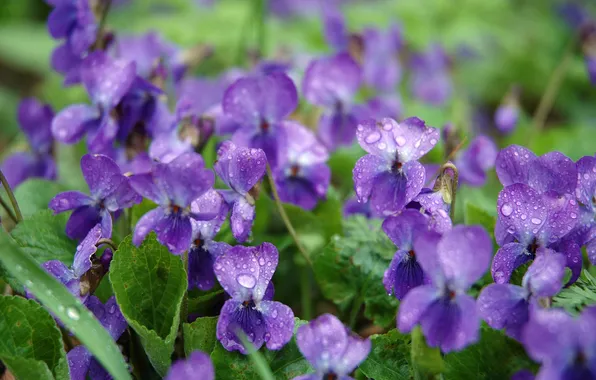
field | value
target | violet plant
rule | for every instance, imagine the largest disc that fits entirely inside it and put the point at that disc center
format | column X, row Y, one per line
column 294, row 215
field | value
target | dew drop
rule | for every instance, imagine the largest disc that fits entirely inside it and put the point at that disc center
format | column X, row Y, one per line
column 247, row 280
column 382, row 146
column 573, row 215
column 72, row 313
column 261, row 261
column 506, row 209
column 387, row 126
column 373, row 137
column 433, row 141
column 400, row 140
column 536, row 221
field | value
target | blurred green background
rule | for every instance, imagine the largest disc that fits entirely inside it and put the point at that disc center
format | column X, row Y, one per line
column 506, row 42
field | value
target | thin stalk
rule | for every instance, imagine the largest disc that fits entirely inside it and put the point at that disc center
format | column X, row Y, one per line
column 107, row 241
column 305, row 294
column 101, row 24
column 550, row 93
column 285, row 218
column 184, row 306
column 355, row 310
column 8, row 210
column 13, row 200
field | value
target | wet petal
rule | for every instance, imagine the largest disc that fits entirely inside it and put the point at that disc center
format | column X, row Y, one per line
column 240, row 168
column 377, row 138
column 573, row 258
column 322, row 341
column 197, row 366
column 245, row 272
column 504, row 306
column 414, row 306
column 79, row 359
column 356, row 351
column 401, row 228
column 146, row 187
column 553, row 171
column 63, row 274
column 513, row 164
column 175, row 232
column 85, row 250
column 146, row 224
column 236, row 317
column 476, row 160
column 586, row 184
column 81, row 221
column 392, row 191
column 549, row 334
column 106, row 79
column 35, row 119
column 522, row 211
column 404, row 273
column 69, row 200
column 211, row 203
column 465, row 253
column 413, row 137
column 364, row 173
column 507, row 259
column 425, row 246
column 544, row 278
column 71, row 123
column 562, row 216
column 279, row 320
column 200, row 269
column 102, row 175
column 241, row 220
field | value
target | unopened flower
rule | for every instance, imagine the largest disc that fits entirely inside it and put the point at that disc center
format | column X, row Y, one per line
column 245, row 274
column 507, row 114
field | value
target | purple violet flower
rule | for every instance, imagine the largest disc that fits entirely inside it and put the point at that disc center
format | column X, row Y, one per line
column 331, row 83
column 390, row 174
column 430, row 79
column 106, row 81
column 74, row 20
column 203, row 250
column 334, row 26
column 507, row 114
column 353, row 206
column 67, row 63
column 476, row 160
column 173, row 186
column 331, row 348
column 380, row 63
column 241, row 169
column 565, row 346
column 453, row 262
column 534, row 221
column 302, row 175
column 588, row 43
column 110, row 192
column 585, row 233
column 508, row 306
column 551, row 171
column 380, row 106
column 404, row 272
column 35, row 120
column 80, row 361
column 260, row 104
column 71, row 277
column 245, row 274
column 197, row 366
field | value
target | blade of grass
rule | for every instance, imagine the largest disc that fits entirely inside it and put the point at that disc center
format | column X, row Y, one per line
column 56, row 298
column 256, row 357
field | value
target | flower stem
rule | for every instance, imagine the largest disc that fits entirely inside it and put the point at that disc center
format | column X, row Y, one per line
column 184, row 306
column 355, row 310
column 285, row 218
column 107, row 241
column 550, row 93
column 13, row 200
column 305, row 294
column 8, row 210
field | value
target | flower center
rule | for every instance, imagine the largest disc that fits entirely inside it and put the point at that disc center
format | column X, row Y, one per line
column 396, row 167
column 198, row 242
column 330, row 376
column 411, row 253
column 264, row 125
column 533, row 247
column 451, row 294
column 294, row 170
column 249, row 303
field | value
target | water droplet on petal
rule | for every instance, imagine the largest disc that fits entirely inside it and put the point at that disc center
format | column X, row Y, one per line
column 536, row 221
column 400, row 140
column 373, row 138
column 506, row 209
column 247, row 280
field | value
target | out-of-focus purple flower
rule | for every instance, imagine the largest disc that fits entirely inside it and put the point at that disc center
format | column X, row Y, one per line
column 331, row 348
column 173, row 186
column 197, row 366
column 533, row 221
column 585, row 233
column 430, row 79
column 380, row 106
column 203, row 250
column 508, row 306
column 331, row 83
column 245, row 274
column 551, row 171
column 507, row 114
column 106, row 81
column 110, row 191
column 168, row 140
column 35, row 119
column 380, row 64
column 523, row 374
column 74, row 20
column 241, row 169
column 476, row 160
column 588, row 40
column 404, row 272
column 71, row 277
column 390, row 174
column 565, row 346
column 302, row 175
column 146, row 50
column 453, row 263
column 136, row 109
column 260, row 104
column 334, row 26
column 353, row 206
column 80, row 361
column 67, row 63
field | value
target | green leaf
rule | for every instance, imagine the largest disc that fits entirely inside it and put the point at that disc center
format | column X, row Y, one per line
column 257, row 359
column 34, row 195
column 495, row 356
column 23, row 368
column 579, row 295
column 29, row 332
column 42, row 236
column 389, row 358
column 63, row 305
column 476, row 215
column 68, row 159
column 426, row 361
column 200, row 335
column 353, row 266
column 149, row 283
column 286, row 363
column 202, row 303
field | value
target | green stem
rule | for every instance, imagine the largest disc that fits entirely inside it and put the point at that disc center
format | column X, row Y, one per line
column 355, row 310
column 305, row 293
column 107, row 241
column 552, row 89
column 184, row 306
column 13, row 200
column 8, row 210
